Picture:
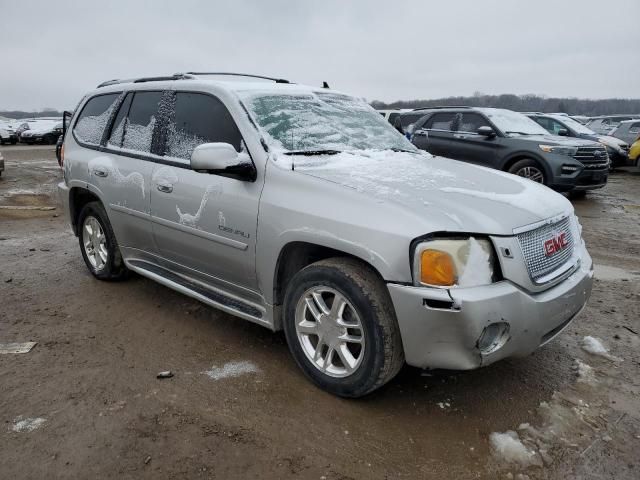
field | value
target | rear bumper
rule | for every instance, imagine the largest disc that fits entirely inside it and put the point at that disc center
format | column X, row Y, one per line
column 445, row 333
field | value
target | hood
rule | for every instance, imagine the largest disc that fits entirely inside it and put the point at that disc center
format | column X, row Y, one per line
column 610, row 141
column 557, row 140
column 446, row 195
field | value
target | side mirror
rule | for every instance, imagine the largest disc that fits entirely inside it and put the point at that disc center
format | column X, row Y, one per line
column 486, row 131
column 222, row 158
column 563, row 132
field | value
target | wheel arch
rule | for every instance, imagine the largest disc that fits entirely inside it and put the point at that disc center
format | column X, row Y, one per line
column 516, row 157
column 296, row 255
column 78, row 198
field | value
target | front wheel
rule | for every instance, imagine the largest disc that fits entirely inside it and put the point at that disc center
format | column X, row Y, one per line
column 98, row 244
column 341, row 327
column 529, row 169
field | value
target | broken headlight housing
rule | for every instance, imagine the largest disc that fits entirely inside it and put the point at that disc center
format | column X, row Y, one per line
column 443, row 262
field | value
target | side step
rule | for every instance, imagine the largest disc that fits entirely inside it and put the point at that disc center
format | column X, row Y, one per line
column 214, row 298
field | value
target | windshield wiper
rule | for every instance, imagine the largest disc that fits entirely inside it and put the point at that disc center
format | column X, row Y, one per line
column 313, row 152
column 402, row 150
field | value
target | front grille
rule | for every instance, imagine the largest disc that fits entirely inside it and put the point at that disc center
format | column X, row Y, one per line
column 587, row 155
column 532, row 245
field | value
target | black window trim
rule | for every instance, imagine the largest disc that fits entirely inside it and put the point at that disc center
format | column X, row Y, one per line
column 150, row 157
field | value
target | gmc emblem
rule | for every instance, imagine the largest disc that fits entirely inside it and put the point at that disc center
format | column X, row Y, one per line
column 555, row 244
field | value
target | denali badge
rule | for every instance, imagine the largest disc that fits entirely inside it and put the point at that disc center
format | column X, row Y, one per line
column 555, row 244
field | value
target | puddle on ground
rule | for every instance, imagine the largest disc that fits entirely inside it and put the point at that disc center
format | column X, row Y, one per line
column 608, row 273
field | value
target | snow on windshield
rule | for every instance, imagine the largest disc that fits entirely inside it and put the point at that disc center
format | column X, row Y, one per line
column 321, row 121
column 513, row 122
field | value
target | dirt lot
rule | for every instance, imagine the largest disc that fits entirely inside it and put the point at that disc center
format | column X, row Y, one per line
column 86, row 403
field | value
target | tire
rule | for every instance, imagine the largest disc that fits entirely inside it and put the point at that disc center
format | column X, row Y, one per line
column 13, row 142
column 578, row 194
column 101, row 254
column 368, row 315
column 527, row 166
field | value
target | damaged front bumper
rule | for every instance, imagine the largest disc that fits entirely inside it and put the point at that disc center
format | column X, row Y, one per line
column 466, row 328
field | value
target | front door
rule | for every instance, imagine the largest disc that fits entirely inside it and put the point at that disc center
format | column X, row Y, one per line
column 472, row 147
column 204, row 224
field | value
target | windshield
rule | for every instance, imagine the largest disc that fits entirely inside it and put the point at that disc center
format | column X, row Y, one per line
column 513, row 123
column 321, row 122
column 575, row 125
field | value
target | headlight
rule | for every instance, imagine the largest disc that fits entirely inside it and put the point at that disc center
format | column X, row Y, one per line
column 448, row 263
column 570, row 151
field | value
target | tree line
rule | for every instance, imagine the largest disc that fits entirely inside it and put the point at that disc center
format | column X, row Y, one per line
column 526, row 103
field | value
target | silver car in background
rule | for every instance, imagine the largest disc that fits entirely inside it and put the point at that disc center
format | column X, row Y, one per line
column 304, row 210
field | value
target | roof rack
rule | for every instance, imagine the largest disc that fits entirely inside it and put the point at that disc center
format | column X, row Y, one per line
column 441, row 106
column 231, row 74
column 177, row 76
column 187, row 76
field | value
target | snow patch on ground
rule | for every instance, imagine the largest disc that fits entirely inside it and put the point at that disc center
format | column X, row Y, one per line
column 21, row 424
column 231, row 369
column 507, row 446
column 585, row 372
column 594, row 346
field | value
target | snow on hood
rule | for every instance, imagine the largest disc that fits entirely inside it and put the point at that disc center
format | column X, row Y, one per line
column 610, row 141
column 455, row 195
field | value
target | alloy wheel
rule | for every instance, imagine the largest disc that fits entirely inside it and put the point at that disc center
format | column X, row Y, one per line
column 95, row 243
column 532, row 173
column 330, row 331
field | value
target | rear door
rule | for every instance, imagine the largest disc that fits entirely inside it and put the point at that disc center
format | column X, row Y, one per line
column 204, row 224
column 120, row 172
column 472, row 147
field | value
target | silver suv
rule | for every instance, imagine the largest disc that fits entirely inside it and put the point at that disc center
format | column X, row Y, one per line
column 302, row 209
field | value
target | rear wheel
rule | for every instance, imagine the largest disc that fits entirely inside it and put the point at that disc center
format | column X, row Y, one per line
column 341, row 327
column 529, row 168
column 98, row 244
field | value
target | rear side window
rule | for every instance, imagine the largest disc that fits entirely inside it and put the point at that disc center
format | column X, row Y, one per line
column 392, row 117
column 198, row 119
column 117, row 130
column 94, row 118
column 471, row 122
column 141, row 121
column 441, row 121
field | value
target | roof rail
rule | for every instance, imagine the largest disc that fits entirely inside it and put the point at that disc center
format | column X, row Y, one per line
column 177, row 76
column 231, row 74
column 441, row 106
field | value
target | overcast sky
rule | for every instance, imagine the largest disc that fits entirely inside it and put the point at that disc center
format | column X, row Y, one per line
column 52, row 52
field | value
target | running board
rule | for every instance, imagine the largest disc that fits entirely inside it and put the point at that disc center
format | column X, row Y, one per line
column 213, row 298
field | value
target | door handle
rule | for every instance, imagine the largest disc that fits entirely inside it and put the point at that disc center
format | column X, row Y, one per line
column 165, row 187
column 100, row 172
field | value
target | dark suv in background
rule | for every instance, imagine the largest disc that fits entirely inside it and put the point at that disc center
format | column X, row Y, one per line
column 514, row 143
column 565, row 126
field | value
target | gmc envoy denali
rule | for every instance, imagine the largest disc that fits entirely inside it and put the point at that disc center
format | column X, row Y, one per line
column 302, row 209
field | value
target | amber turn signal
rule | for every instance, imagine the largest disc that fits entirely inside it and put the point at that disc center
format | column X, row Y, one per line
column 437, row 268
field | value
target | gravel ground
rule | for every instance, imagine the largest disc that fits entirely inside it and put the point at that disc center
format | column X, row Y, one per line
column 86, row 403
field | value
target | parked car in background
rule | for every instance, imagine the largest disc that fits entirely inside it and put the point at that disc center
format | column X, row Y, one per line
column 405, row 121
column 634, row 153
column 7, row 135
column 43, row 131
column 301, row 209
column 391, row 115
column 581, row 119
column 604, row 125
column 618, row 150
column 512, row 142
column 628, row 131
